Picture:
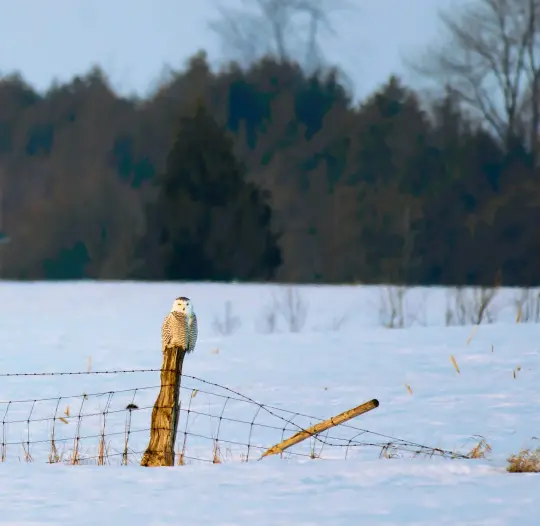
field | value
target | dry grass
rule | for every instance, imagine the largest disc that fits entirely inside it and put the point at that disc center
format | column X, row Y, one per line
column 480, row 450
column 103, row 451
column 526, row 461
column 54, row 455
column 389, row 451
column 216, row 454
column 75, row 457
column 454, row 363
column 181, row 458
column 26, row 450
column 313, row 453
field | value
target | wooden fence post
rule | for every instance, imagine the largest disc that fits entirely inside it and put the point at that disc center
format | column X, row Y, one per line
column 166, row 411
column 322, row 426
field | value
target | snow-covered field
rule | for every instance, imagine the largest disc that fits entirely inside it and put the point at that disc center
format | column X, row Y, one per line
column 340, row 357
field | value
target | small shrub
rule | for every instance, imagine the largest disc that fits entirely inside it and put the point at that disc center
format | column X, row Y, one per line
column 526, row 461
column 268, row 320
column 470, row 307
column 229, row 324
column 293, row 309
column 392, row 307
column 528, row 306
column 395, row 309
column 337, row 322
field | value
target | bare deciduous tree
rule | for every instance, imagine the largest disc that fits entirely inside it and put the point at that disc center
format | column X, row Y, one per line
column 391, row 307
column 285, row 29
column 491, row 60
column 397, row 310
column 475, row 306
column 528, row 306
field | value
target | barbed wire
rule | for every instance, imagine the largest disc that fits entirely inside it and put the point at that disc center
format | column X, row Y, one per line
column 117, row 371
column 83, row 373
column 289, row 422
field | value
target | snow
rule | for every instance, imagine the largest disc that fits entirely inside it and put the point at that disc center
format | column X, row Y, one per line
column 340, row 358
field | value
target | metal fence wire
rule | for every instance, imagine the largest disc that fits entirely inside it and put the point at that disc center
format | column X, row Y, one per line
column 217, row 424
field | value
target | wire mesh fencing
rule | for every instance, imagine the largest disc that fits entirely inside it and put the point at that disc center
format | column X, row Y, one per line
column 217, row 424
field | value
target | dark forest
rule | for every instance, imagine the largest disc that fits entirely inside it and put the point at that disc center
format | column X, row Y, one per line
column 267, row 172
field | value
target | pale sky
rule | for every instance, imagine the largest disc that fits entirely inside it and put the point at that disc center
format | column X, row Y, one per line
column 132, row 40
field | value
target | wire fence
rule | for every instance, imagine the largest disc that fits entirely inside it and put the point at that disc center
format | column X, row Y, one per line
column 217, row 424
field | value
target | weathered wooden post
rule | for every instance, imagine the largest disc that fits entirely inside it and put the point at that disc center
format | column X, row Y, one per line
column 178, row 337
column 322, row 426
column 165, row 414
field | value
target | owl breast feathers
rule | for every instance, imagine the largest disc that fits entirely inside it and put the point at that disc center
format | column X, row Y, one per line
column 179, row 330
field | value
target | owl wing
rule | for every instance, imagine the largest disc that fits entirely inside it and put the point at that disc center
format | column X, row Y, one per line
column 193, row 333
column 166, row 332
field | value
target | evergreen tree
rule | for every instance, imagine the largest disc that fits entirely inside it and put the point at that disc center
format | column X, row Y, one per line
column 208, row 222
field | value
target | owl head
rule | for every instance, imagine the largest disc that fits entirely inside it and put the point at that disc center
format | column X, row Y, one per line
column 183, row 305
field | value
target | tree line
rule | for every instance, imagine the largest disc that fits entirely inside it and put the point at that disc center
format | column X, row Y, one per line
column 266, row 172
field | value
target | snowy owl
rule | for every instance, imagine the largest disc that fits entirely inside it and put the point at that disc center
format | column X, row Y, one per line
column 179, row 327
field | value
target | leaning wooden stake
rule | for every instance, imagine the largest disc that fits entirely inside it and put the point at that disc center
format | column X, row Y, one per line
column 322, row 426
column 165, row 415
